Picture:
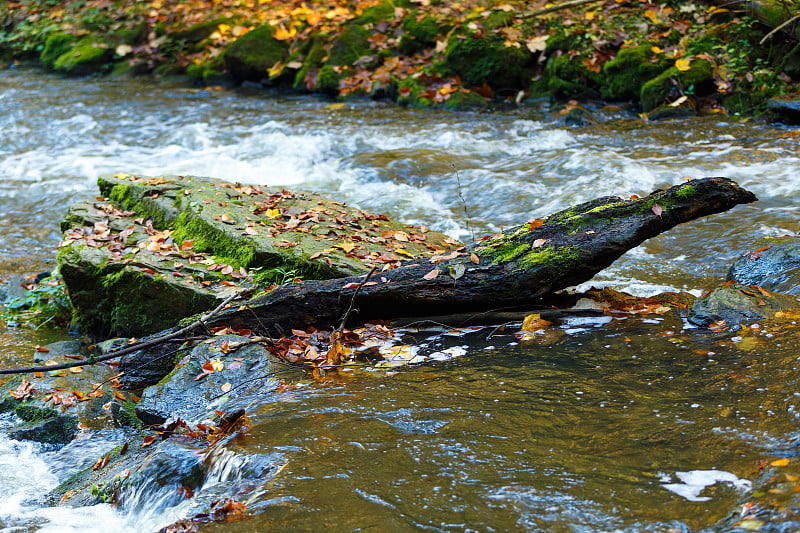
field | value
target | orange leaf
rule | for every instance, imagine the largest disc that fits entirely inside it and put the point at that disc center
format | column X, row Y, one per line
column 147, row 441
column 781, row 462
column 119, row 396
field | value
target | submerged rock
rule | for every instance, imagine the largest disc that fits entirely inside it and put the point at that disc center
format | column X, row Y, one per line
column 156, row 250
column 735, row 303
column 773, row 265
column 51, row 407
column 787, row 107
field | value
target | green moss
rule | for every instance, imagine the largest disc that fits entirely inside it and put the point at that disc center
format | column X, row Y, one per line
column 460, row 101
column 503, row 251
column 567, row 77
column 549, row 256
column 249, row 57
column 377, row 13
column 209, row 72
column 700, row 77
column 55, row 46
column 236, row 253
column 419, row 34
column 686, row 191
column 409, row 91
column 327, row 81
column 126, row 414
column 351, row 44
column 624, row 75
column 480, row 60
column 89, row 55
column 314, row 57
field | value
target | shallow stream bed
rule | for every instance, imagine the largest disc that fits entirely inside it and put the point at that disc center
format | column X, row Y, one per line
column 593, row 428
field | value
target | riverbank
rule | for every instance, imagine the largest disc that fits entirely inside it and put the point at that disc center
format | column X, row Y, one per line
column 669, row 60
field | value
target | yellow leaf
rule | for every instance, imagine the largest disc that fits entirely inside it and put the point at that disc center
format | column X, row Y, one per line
column 656, row 50
column 217, row 365
column 535, row 322
column 682, row 64
column 589, row 15
column 223, row 28
column 272, row 213
column 276, row 69
column 403, row 251
column 781, row 462
column 346, row 246
column 336, row 106
column 652, row 15
column 282, row 34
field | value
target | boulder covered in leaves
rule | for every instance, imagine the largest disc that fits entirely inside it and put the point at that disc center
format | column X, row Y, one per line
column 153, row 250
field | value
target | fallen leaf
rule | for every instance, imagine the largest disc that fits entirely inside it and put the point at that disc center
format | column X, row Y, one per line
column 148, row 440
column 226, row 387
column 433, row 274
column 781, row 462
column 474, row 258
column 657, row 209
column 683, row 64
column 538, row 242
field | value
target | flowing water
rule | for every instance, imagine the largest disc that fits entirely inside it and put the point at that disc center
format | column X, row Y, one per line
column 599, row 427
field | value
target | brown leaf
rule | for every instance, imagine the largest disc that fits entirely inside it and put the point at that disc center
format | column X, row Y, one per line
column 148, row 440
column 431, row 275
column 657, row 209
column 474, row 258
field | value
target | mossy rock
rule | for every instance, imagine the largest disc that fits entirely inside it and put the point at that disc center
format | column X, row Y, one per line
column 699, row 76
column 624, row 75
column 314, row 58
column 377, row 13
column 187, row 243
column 350, row 45
column 55, row 46
column 461, row 101
column 199, row 32
column 90, row 55
column 419, row 33
column 58, row 401
column 485, row 59
column 408, row 95
column 254, row 53
column 328, row 81
column 736, row 303
column 209, row 72
column 567, row 77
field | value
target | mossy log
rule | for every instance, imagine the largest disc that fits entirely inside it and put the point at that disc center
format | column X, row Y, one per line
column 516, row 268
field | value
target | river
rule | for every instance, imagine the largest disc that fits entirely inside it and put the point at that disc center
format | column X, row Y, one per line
column 595, row 429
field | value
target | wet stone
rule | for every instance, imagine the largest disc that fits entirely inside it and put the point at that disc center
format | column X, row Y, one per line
column 737, row 303
column 230, row 381
column 773, row 264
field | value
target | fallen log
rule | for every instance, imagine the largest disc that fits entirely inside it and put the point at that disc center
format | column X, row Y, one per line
column 518, row 267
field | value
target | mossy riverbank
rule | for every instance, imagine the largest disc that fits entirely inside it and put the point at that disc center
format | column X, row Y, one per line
column 669, row 59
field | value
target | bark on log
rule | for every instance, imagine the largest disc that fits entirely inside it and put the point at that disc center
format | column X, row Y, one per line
column 771, row 13
column 518, row 267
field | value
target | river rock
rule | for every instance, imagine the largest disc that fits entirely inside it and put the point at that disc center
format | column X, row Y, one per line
column 773, row 264
column 220, row 376
column 154, row 250
column 736, row 303
column 786, row 107
column 52, row 406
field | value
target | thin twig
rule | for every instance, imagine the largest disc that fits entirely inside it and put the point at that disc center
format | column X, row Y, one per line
column 464, row 203
column 128, row 349
column 558, row 7
column 778, row 28
column 353, row 299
